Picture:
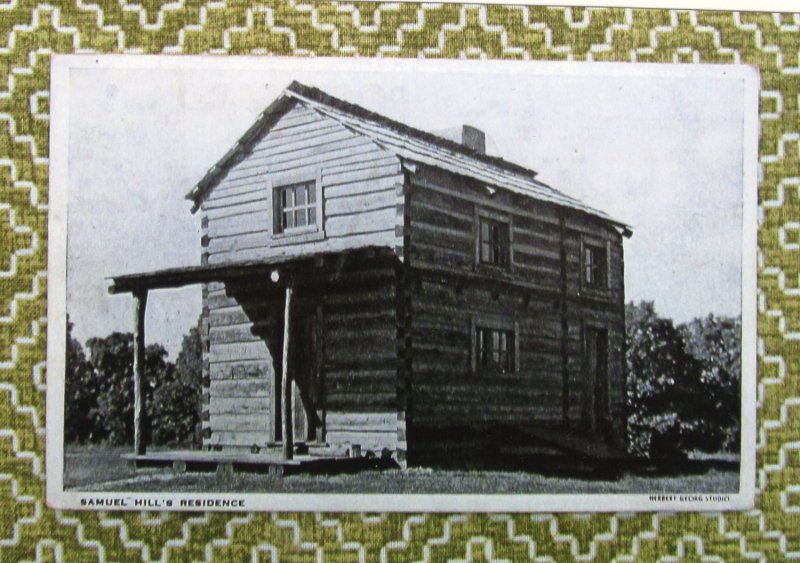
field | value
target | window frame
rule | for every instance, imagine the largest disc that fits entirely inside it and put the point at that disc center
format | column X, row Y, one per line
column 497, row 324
column 605, row 282
column 481, row 215
column 310, row 232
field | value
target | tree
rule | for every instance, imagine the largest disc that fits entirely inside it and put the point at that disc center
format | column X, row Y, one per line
column 176, row 401
column 716, row 342
column 666, row 400
column 80, row 404
column 111, row 359
column 99, row 394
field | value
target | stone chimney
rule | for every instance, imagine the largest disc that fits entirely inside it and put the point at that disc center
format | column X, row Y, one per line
column 473, row 138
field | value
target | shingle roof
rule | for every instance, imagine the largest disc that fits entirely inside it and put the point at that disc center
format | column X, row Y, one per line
column 407, row 142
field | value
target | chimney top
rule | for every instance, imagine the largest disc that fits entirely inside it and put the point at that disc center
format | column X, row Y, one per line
column 473, row 138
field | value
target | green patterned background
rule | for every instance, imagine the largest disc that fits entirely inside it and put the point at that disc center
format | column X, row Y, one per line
column 32, row 31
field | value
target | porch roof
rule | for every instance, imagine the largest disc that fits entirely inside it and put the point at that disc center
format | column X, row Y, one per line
column 285, row 265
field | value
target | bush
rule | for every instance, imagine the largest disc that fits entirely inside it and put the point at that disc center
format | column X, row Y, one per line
column 682, row 391
column 716, row 342
column 99, row 394
column 176, row 403
column 173, row 412
column 81, row 391
column 112, row 361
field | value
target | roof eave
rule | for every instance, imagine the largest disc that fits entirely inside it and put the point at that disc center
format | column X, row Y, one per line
column 284, row 265
column 277, row 108
column 315, row 95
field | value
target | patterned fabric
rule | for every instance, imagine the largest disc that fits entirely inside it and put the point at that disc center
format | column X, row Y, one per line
column 32, row 31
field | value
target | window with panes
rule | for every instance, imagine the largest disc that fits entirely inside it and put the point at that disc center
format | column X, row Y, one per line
column 494, row 243
column 594, row 266
column 495, row 349
column 296, row 207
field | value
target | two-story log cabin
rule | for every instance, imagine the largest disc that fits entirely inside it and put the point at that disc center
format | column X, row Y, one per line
column 370, row 287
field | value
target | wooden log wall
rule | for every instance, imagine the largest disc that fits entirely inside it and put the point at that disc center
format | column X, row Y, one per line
column 360, row 364
column 601, row 309
column 359, row 189
column 358, row 394
column 241, row 360
column 548, row 304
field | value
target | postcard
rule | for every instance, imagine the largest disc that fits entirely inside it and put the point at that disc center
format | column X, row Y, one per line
column 359, row 285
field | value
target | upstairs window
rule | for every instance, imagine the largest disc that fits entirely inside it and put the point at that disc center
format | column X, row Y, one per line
column 494, row 245
column 296, row 207
column 495, row 349
column 595, row 263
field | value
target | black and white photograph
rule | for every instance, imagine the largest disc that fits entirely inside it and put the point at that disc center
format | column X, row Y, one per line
column 401, row 285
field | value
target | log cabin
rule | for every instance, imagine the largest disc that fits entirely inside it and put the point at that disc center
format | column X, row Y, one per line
column 371, row 289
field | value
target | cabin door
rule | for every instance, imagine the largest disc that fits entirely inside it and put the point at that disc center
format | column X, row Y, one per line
column 307, row 388
column 597, row 382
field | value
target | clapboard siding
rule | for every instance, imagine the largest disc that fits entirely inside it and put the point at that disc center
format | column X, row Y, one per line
column 240, row 223
column 359, row 188
column 240, row 318
column 251, row 171
column 236, row 439
column 373, row 431
column 345, row 421
column 240, row 369
column 237, row 405
column 251, row 387
column 359, row 184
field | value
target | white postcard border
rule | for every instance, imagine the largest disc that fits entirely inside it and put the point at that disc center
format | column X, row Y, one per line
column 58, row 498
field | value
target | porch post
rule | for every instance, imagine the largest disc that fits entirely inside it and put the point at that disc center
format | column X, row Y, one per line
column 139, row 411
column 286, row 381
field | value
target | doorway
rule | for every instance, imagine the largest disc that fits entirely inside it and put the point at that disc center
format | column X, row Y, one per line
column 306, row 367
column 596, row 406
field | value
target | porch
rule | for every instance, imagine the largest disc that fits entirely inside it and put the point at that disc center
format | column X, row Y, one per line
column 271, row 461
column 283, row 284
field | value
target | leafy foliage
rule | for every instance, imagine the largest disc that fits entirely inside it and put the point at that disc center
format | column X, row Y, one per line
column 112, row 361
column 176, row 403
column 80, row 408
column 683, row 383
column 99, row 398
column 716, row 342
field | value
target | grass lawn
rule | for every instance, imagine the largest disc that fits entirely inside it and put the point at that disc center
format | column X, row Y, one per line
column 97, row 468
column 85, row 465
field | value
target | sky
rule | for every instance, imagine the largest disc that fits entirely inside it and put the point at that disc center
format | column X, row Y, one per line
column 663, row 153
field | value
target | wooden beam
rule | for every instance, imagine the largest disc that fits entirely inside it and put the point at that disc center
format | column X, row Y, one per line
column 139, row 409
column 241, row 271
column 286, row 382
